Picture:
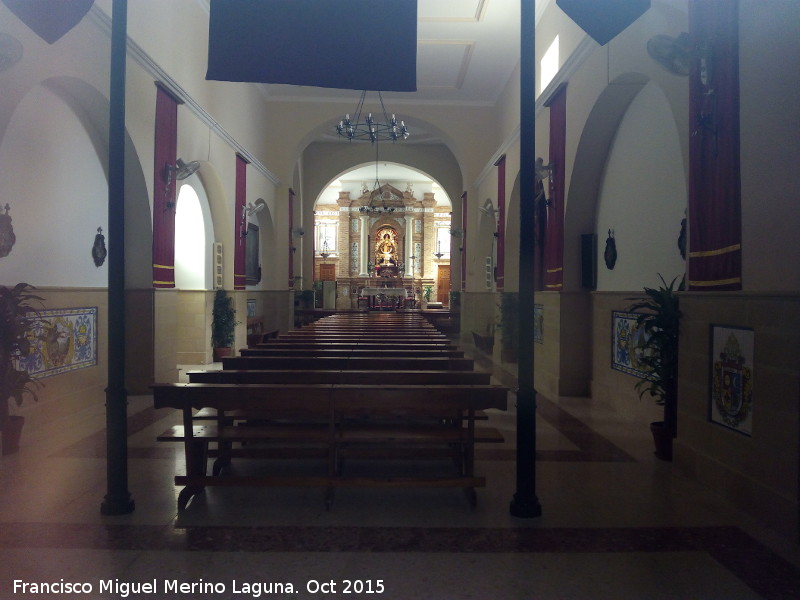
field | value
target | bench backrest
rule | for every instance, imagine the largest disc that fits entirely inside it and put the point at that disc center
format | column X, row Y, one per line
column 369, row 363
column 352, row 376
column 347, row 352
column 351, row 398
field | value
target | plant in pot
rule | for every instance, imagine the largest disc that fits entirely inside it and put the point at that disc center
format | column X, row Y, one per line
column 658, row 355
column 427, row 293
column 19, row 315
column 223, row 325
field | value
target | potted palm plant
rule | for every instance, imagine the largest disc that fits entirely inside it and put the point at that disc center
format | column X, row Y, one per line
column 223, row 324
column 19, row 315
column 659, row 358
column 427, row 294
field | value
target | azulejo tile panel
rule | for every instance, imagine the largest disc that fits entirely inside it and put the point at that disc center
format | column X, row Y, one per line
column 627, row 340
column 66, row 340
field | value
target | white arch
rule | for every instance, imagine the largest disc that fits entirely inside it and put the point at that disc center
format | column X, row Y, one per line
column 193, row 235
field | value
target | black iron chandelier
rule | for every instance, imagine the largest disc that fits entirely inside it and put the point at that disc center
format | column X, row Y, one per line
column 370, row 128
column 377, row 191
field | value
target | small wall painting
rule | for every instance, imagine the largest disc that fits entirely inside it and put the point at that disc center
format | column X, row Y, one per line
column 731, row 401
column 627, row 340
column 538, row 323
column 65, row 341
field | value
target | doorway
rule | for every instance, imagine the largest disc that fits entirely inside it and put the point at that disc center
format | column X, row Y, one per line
column 443, row 285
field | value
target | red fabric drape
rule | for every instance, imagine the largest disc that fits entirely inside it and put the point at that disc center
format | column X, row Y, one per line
column 463, row 242
column 240, row 225
column 540, row 225
column 715, row 219
column 554, row 236
column 164, row 153
column 291, row 240
column 501, row 223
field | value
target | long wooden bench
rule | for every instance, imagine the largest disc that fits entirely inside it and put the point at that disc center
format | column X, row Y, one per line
column 352, row 352
column 337, row 420
column 346, row 376
column 363, row 363
column 340, row 376
column 310, row 344
column 365, row 336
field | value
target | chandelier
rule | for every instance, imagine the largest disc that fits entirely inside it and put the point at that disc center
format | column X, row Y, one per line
column 370, row 128
column 373, row 195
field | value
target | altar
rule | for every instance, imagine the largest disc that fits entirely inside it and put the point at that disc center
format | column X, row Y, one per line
column 383, row 294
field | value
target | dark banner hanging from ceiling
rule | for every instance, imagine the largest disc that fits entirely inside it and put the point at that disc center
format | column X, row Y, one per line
column 603, row 20
column 50, row 19
column 346, row 44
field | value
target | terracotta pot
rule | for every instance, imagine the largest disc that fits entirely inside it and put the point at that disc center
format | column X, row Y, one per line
column 220, row 353
column 12, row 432
column 662, row 438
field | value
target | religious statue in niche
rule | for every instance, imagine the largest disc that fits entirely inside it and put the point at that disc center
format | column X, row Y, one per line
column 7, row 237
column 386, row 259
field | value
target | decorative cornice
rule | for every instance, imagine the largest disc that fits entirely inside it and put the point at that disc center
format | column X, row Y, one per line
column 568, row 69
column 103, row 23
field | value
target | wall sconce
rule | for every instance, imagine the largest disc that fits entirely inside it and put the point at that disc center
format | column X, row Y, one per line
column 488, row 209
column 7, row 236
column 298, row 232
column 179, row 171
column 541, row 170
column 99, row 251
column 254, row 209
column 457, row 233
column 250, row 210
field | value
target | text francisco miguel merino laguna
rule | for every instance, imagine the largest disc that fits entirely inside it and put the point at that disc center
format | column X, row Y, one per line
column 172, row 586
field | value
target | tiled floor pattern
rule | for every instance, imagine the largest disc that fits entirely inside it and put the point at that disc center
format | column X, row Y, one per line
column 616, row 524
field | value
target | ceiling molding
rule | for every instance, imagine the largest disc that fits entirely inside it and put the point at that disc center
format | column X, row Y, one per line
column 468, row 48
column 103, row 22
column 480, row 11
column 567, row 70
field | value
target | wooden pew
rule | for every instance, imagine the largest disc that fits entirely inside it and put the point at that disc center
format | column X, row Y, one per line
column 352, row 345
column 338, row 376
column 336, row 419
column 327, row 363
column 352, row 352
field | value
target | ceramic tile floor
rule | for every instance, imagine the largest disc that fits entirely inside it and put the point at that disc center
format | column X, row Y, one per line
column 616, row 524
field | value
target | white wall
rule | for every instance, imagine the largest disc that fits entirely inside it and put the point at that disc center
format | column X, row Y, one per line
column 642, row 197
column 52, row 177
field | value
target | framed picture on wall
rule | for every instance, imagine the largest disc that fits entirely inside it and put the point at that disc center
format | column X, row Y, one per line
column 252, row 266
column 538, row 323
column 731, row 377
column 627, row 340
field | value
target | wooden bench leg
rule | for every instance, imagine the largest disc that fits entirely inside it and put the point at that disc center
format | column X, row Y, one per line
column 186, row 494
column 223, row 459
column 196, row 464
column 330, row 493
column 472, row 497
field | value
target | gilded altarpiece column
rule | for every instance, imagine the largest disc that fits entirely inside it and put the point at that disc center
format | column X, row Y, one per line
column 409, row 239
column 344, row 237
column 364, row 245
column 428, row 235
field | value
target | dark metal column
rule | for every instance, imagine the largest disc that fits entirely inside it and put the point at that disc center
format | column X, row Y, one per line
column 118, row 500
column 525, row 504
